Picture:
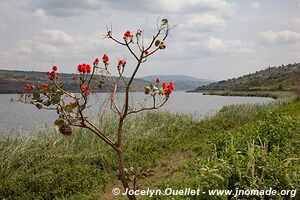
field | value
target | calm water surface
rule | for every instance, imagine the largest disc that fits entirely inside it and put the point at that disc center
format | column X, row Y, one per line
column 18, row 116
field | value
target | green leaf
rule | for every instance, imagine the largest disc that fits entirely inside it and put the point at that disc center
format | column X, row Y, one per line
column 59, row 122
column 52, row 88
column 151, row 86
column 140, row 176
column 36, row 95
column 55, row 99
column 68, row 108
column 59, row 92
column 39, row 106
column 218, row 177
column 47, row 103
column 146, row 90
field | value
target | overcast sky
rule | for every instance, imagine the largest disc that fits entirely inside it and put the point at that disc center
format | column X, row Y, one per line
column 214, row 39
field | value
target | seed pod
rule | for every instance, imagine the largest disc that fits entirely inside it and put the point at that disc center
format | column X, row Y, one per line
column 65, row 129
column 164, row 21
column 157, row 42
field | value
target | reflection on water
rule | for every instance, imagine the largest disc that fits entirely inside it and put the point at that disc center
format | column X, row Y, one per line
column 18, row 116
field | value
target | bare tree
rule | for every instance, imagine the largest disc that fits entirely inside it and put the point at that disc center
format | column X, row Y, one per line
column 70, row 106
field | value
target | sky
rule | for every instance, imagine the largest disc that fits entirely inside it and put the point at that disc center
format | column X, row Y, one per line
column 213, row 39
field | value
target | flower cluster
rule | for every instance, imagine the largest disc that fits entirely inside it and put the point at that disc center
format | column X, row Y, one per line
column 52, row 75
column 121, row 65
column 44, row 85
column 84, row 89
column 168, row 89
column 128, row 36
column 157, row 81
column 105, row 59
column 139, row 33
column 96, row 61
column 84, row 68
column 28, row 87
column 164, row 89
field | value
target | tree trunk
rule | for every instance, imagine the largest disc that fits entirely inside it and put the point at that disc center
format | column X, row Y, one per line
column 122, row 176
column 120, row 155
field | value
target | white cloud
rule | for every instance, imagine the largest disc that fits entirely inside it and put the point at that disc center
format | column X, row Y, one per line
column 58, row 37
column 3, row 25
column 220, row 47
column 292, row 23
column 196, row 6
column 204, row 22
column 155, row 7
column 204, row 46
column 40, row 14
column 255, row 5
column 280, row 37
column 23, row 50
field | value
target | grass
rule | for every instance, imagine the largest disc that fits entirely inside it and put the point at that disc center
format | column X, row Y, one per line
column 217, row 152
column 271, row 94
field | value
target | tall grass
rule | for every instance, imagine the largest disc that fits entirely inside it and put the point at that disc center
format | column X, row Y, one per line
column 48, row 165
column 271, row 94
column 259, row 151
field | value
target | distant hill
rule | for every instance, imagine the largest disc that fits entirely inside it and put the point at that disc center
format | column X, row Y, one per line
column 281, row 78
column 182, row 82
column 11, row 81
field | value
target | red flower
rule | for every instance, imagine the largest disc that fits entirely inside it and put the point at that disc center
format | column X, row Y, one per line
column 88, row 68
column 164, row 85
column 122, row 63
column 105, row 59
column 52, row 75
column 72, row 102
column 128, row 34
column 167, row 91
column 73, row 78
column 171, row 85
column 83, row 68
column 48, row 73
column 45, row 85
column 29, row 86
column 79, row 68
column 146, row 53
column 54, row 68
column 157, row 81
column 85, row 88
column 96, row 61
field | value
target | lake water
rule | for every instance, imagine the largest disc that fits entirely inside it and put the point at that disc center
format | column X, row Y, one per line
column 16, row 116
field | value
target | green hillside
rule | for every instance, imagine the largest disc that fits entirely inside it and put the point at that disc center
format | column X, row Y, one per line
column 281, row 78
column 11, row 81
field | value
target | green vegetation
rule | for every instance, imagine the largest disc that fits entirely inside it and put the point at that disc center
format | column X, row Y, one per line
column 282, row 78
column 11, row 81
column 271, row 94
column 244, row 146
